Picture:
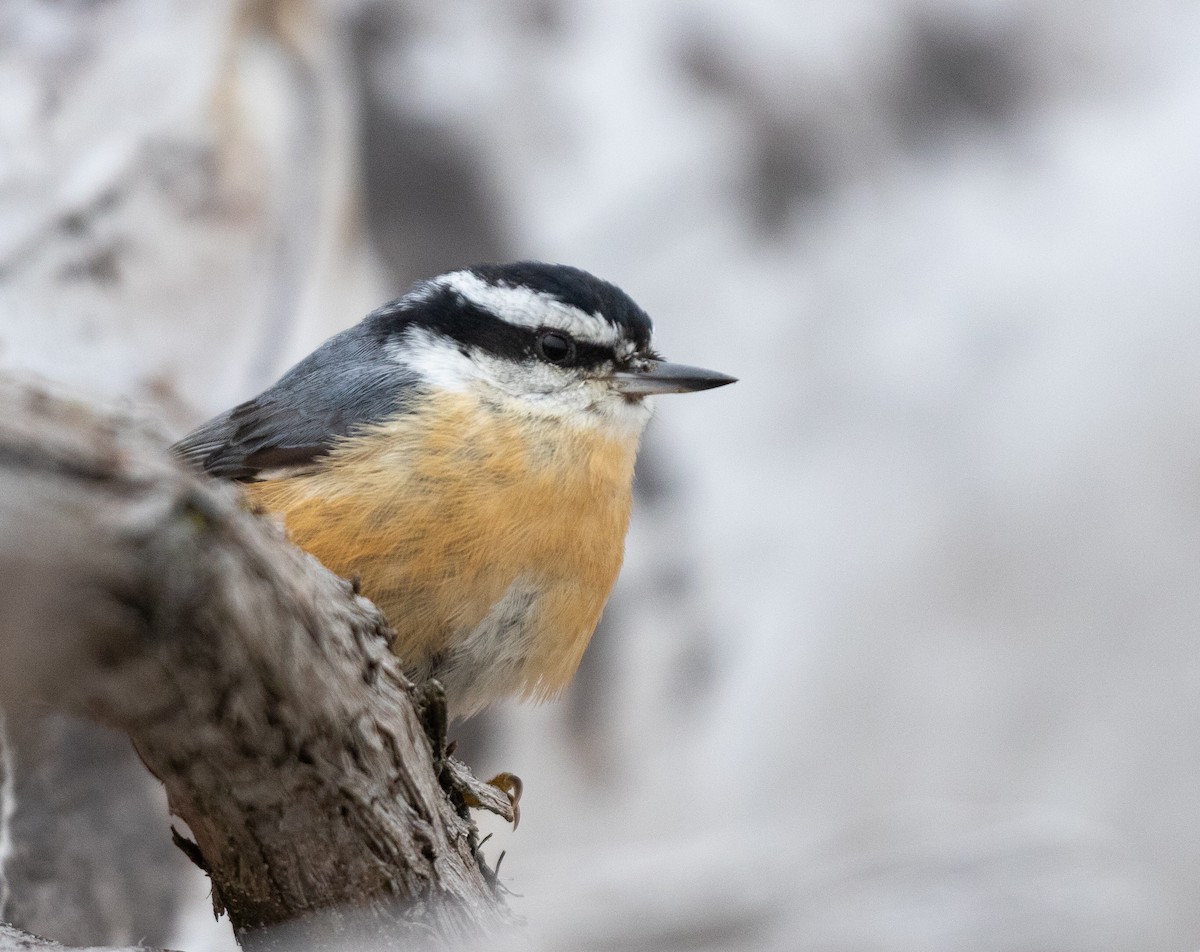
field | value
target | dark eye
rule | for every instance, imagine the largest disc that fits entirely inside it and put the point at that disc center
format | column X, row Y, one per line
column 555, row 347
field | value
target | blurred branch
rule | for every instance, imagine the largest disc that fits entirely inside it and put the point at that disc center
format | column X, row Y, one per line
column 257, row 686
column 17, row 940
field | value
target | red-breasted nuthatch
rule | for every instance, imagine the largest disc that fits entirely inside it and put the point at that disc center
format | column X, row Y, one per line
column 467, row 451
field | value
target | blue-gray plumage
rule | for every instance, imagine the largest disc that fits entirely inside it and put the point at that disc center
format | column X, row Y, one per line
column 348, row 382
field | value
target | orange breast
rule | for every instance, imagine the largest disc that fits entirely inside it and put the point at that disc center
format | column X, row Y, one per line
column 440, row 512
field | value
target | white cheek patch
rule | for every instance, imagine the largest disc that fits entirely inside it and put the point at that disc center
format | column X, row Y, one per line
column 441, row 363
column 528, row 308
column 436, row 360
column 529, row 387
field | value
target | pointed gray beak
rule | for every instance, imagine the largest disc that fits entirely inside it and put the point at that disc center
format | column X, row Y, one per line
column 657, row 376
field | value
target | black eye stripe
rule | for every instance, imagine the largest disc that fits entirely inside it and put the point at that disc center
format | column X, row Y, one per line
column 451, row 316
column 592, row 355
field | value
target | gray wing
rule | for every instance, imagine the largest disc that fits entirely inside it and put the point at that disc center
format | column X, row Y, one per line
column 348, row 382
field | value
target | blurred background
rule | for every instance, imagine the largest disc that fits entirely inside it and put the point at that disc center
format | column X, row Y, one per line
column 904, row 654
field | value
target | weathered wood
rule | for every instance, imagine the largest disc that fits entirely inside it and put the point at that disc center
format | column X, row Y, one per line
column 254, row 683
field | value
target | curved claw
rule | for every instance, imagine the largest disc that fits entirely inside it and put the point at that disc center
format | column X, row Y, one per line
column 512, row 787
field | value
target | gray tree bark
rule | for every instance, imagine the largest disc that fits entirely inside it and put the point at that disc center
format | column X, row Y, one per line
column 257, row 686
column 86, row 855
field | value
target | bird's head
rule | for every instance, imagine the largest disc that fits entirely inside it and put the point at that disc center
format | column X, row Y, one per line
column 551, row 340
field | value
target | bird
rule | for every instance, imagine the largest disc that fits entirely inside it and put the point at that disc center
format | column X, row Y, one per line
column 466, row 452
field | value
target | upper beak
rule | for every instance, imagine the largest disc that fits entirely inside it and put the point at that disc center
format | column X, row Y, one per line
column 657, row 376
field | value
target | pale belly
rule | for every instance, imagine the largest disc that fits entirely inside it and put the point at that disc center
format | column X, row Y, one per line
column 493, row 659
column 491, row 547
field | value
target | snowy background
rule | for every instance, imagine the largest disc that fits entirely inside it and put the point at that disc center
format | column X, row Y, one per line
column 904, row 655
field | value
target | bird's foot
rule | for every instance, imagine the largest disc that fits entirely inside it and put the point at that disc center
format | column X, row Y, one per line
column 500, row 795
column 512, row 787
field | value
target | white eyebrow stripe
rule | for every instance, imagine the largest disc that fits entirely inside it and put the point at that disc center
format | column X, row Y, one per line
column 529, row 308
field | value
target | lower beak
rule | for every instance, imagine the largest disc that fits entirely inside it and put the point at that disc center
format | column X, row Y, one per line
column 657, row 376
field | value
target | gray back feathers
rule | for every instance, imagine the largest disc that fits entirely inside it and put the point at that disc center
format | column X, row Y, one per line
column 348, row 382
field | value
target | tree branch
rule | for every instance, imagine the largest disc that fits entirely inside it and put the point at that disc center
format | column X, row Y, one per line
column 254, row 683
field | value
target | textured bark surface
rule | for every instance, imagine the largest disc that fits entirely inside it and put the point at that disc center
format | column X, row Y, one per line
column 254, row 683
